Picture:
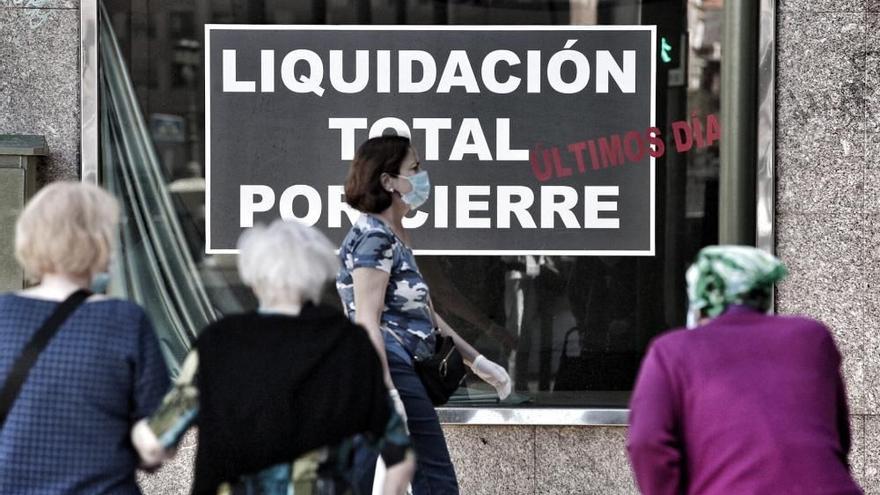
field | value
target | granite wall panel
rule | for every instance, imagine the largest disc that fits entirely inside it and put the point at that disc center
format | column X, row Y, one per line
column 39, row 4
column 871, row 197
column 823, row 170
column 821, row 93
column 870, row 324
column 826, row 5
column 39, row 82
column 493, row 459
column 488, row 460
column 871, row 476
column 872, row 74
column 828, row 192
column 824, row 256
column 857, row 453
column 820, row 71
column 578, row 460
column 175, row 476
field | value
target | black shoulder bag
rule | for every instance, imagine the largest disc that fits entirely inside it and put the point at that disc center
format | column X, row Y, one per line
column 443, row 371
column 32, row 351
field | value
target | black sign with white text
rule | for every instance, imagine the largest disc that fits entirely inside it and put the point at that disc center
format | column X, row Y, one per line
column 537, row 139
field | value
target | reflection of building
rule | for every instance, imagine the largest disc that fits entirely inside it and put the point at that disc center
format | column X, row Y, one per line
column 704, row 90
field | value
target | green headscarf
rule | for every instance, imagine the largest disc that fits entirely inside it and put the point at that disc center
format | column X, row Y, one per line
column 725, row 275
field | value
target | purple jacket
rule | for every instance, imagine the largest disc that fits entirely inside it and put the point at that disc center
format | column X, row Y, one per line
column 746, row 404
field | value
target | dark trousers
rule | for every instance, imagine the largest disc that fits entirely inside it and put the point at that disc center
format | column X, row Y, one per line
column 435, row 474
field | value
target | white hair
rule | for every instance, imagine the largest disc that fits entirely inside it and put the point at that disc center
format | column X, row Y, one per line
column 286, row 261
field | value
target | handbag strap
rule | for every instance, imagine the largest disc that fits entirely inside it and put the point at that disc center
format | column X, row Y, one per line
column 433, row 314
column 22, row 366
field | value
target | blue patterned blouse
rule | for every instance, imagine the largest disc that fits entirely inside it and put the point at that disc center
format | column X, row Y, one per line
column 372, row 244
column 68, row 431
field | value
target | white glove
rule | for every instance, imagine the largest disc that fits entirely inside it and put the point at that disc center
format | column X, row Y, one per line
column 492, row 374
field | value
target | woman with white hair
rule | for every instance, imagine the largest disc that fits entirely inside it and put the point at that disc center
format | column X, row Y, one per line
column 282, row 395
column 77, row 370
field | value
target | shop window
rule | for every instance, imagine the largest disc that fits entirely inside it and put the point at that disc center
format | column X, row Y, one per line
column 570, row 329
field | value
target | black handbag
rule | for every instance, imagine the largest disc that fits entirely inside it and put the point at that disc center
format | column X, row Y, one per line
column 441, row 371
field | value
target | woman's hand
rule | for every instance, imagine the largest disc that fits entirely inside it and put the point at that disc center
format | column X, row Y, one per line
column 488, row 371
column 493, row 374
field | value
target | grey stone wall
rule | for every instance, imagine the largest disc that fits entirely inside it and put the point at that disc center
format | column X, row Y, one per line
column 828, row 180
column 502, row 460
column 39, row 78
column 540, row 460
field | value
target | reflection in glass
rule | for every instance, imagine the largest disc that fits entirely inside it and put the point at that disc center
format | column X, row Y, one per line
column 571, row 330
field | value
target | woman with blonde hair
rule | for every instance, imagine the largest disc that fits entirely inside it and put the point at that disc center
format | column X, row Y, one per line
column 77, row 370
column 283, row 395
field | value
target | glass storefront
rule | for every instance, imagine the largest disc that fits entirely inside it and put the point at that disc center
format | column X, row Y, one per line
column 570, row 329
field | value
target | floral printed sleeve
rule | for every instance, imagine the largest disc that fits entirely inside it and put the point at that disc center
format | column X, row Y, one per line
column 180, row 406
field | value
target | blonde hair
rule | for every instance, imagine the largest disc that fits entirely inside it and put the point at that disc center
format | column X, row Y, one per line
column 286, row 261
column 67, row 227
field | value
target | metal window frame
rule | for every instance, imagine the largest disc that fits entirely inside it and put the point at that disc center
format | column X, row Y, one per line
column 765, row 217
column 89, row 145
column 764, row 221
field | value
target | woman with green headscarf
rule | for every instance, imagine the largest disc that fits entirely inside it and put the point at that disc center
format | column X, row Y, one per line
column 725, row 275
column 747, row 403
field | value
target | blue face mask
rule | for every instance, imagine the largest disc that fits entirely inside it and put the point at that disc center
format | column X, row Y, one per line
column 421, row 189
column 100, row 282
